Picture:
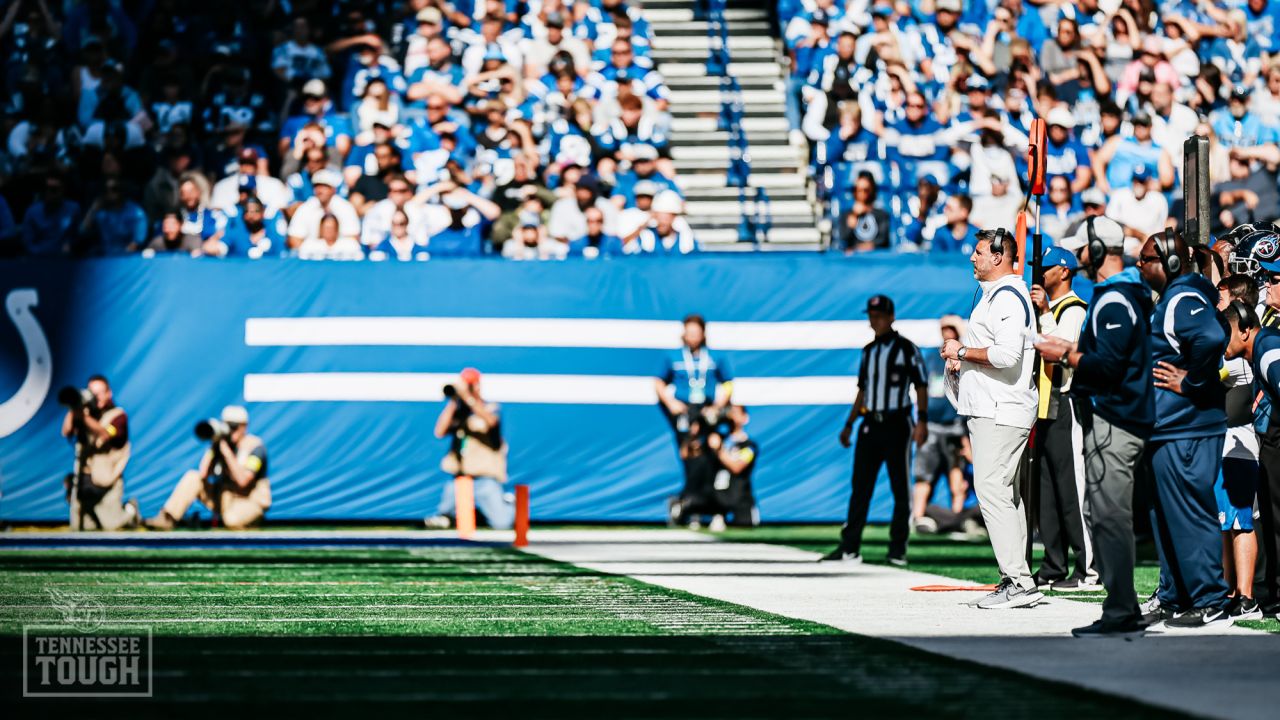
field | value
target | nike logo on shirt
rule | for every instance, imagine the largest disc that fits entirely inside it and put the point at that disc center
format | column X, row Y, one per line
column 1193, row 312
column 1112, row 326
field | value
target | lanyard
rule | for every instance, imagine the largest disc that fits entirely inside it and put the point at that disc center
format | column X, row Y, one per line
column 698, row 378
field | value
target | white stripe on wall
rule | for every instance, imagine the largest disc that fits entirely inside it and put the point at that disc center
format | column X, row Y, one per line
column 513, row 388
column 570, row 333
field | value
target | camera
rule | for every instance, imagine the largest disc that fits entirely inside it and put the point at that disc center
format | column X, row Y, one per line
column 74, row 398
column 449, row 391
column 212, row 430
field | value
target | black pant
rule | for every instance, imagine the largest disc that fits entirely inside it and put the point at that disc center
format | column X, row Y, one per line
column 1060, row 445
column 883, row 441
column 1269, row 505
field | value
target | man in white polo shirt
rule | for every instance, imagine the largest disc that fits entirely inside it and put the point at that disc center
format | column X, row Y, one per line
column 989, row 381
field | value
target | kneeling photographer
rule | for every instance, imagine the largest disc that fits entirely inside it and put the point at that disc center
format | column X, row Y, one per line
column 232, row 477
column 100, row 430
column 476, row 450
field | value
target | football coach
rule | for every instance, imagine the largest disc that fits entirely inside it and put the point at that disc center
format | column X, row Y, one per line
column 990, row 376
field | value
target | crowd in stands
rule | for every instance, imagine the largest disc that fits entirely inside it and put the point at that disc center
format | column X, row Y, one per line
column 917, row 112
column 346, row 129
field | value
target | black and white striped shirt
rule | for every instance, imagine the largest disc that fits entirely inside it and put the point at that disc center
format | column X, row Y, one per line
column 891, row 369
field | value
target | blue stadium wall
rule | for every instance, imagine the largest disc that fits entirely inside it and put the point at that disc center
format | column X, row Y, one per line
column 341, row 365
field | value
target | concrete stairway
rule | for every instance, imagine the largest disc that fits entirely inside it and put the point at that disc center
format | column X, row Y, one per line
column 701, row 152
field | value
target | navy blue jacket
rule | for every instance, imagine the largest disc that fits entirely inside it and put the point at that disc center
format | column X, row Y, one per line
column 1115, row 366
column 1266, row 366
column 1188, row 332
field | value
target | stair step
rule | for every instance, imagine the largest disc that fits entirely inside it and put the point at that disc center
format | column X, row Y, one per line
column 711, row 83
column 742, row 55
column 660, row 16
column 711, row 109
column 749, row 124
column 749, row 97
column 719, row 236
column 764, row 152
column 699, row 29
column 767, row 180
column 754, row 139
column 742, row 71
column 725, row 193
column 703, row 43
column 777, row 208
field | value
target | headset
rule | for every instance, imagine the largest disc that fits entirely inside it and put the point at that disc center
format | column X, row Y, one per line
column 1170, row 260
column 998, row 241
column 1097, row 250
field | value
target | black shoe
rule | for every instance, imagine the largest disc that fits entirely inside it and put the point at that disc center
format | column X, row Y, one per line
column 1042, row 582
column 1199, row 618
column 1271, row 609
column 1244, row 608
column 839, row 555
column 1157, row 615
column 1130, row 628
column 1075, row 584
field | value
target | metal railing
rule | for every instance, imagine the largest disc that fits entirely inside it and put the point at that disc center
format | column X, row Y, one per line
column 756, row 217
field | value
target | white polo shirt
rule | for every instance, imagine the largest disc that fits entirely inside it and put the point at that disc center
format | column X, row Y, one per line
column 1001, row 322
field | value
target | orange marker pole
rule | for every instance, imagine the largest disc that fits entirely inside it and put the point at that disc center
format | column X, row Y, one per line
column 1020, row 234
column 464, row 501
column 522, row 516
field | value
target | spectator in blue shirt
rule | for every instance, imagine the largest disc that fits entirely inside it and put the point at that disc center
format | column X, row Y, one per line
column 1238, row 127
column 457, row 239
column 114, row 224
column 958, row 235
column 317, row 108
column 50, row 224
column 252, row 234
column 1064, row 154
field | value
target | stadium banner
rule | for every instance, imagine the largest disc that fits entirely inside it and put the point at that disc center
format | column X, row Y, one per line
column 341, row 366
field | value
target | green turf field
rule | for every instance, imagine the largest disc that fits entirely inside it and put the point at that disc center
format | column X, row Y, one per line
column 970, row 560
column 484, row 631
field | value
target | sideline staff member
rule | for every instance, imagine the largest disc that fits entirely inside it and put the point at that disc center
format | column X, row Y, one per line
column 474, row 429
column 993, row 390
column 101, row 435
column 232, row 479
column 1112, row 364
column 891, row 367
column 1060, row 439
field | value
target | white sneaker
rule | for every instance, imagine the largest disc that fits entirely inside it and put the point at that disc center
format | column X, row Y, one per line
column 717, row 524
column 926, row 525
column 438, row 522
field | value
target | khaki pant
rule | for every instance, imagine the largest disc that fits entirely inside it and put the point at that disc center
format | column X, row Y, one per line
column 108, row 514
column 997, row 451
column 236, row 511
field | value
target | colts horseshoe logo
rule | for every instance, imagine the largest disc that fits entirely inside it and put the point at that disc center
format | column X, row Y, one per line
column 19, row 409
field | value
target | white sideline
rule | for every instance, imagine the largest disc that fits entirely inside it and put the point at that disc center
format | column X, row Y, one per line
column 1229, row 674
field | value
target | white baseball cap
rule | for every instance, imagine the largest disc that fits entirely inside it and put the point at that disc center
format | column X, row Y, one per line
column 314, row 87
column 235, row 415
column 668, row 201
column 327, row 177
column 1107, row 230
column 1062, row 117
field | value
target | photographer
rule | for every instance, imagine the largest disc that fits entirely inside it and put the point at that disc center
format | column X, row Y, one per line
column 476, row 450
column 232, row 477
column 693, row 390
column 736, row 454
column 100, row 430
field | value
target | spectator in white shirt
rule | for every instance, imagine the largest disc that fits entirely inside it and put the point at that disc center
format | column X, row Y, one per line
column 539, row 50
column 305, row 224
column 329, row 244
column 1139, row 211
column 1000, row 208
column 668, row 233
column 226, row 192
column 531, row 242
column 568, row 219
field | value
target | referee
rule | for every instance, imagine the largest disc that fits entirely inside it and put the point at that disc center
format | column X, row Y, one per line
column 891, row 368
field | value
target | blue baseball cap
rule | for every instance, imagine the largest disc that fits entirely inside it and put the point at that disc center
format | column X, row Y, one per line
column 1141, row 173
column 1057, row 257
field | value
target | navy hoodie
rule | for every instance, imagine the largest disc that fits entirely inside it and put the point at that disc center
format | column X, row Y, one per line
column 1188, row 332
column 1115, row 366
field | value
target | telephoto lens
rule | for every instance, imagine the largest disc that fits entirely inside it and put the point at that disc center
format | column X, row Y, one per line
column 211, row 429
column 449, row 391
column 74, row 397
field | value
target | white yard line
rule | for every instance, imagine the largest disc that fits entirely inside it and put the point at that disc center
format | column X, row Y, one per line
column 1228, row 674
